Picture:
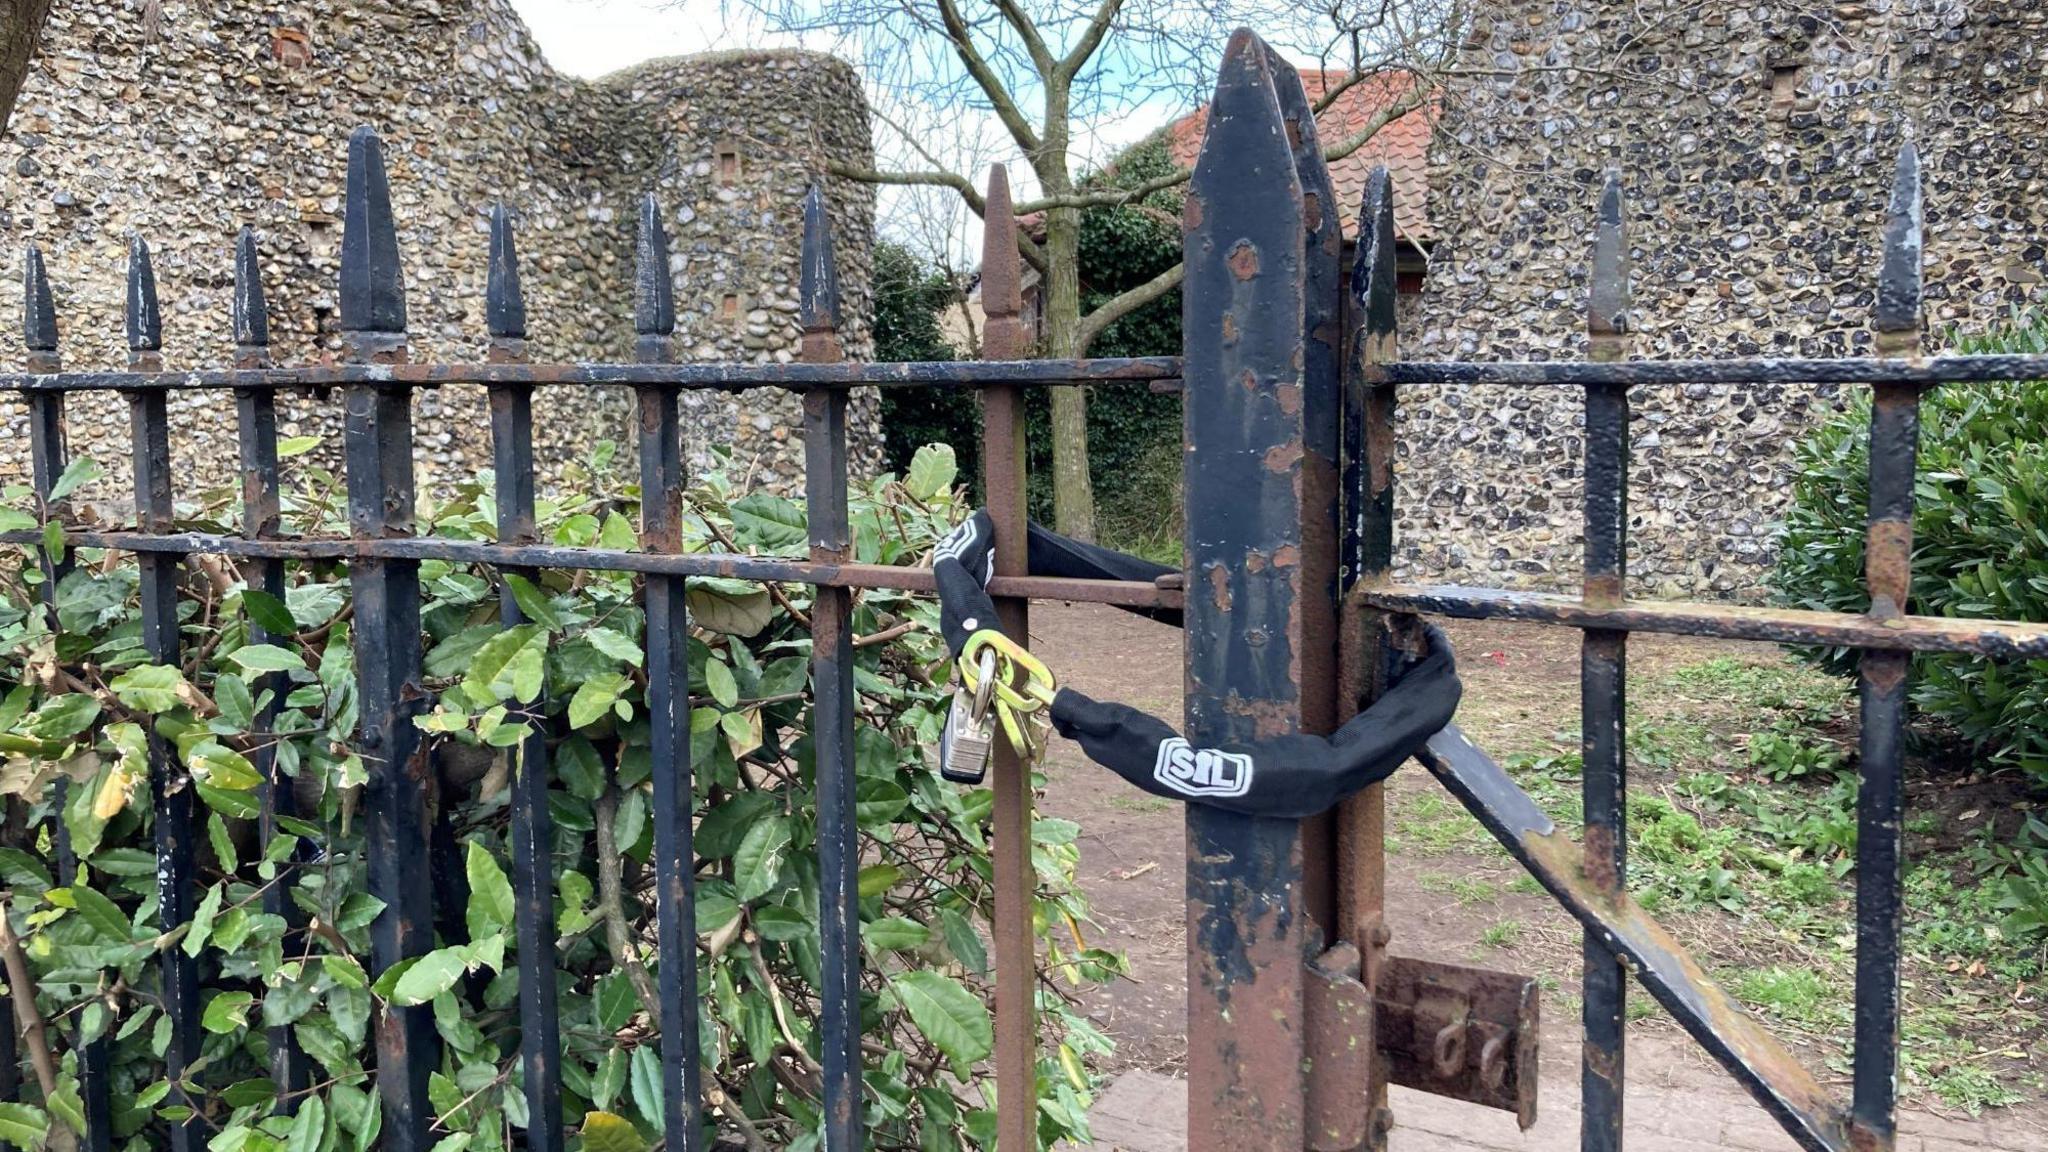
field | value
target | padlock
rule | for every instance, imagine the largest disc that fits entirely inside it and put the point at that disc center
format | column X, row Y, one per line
column 970, row 734
column 966, row 743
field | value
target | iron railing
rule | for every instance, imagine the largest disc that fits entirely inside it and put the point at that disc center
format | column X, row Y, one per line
column 1589, row 879
column 1293, row 619
column 384, row 554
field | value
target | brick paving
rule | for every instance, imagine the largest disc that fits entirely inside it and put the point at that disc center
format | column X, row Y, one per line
column 1146, row 1112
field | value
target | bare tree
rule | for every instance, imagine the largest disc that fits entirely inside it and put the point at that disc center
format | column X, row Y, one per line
column 1043, row 74
column 21, row 30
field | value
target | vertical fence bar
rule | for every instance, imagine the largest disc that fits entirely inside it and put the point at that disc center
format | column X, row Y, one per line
column 256, row 422
column 1603, row 680
column 48, row 459
column 1004, row 476
column 149, row 426
column 668, row 689
column 1366, row 554
column 825, row 483
column 1243, row 326
column 378, row 439
column 1888, row 571
column 1322, row 419
column 533, row 832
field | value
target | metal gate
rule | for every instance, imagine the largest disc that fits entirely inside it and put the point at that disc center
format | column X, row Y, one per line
column 1298, row 1019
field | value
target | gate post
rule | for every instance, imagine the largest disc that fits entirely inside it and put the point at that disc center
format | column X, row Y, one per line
column 1252, row 592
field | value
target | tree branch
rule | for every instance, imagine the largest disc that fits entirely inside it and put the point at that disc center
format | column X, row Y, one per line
column 1123, row 304
column 1028, row 247
column 21, row 33
column 22, row 991
column 962, row 39
column 1091, row 39
column 1380, row 119
column 1041, row 56
column 618, row 934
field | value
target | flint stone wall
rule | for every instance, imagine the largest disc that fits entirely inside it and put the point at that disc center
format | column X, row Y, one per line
column 186, row 127
column 1757, row 142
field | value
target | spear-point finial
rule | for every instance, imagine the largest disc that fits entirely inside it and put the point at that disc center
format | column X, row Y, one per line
column 1607, row 313
column 1898, row 277
column 372, row 283
column 819, row 291
column 38, row 312
column 1001, row 278
column 145, row 319
column 1002, row 295
column 251, row 312
column 654, row 291
column 1374, row 269
column 504, row 300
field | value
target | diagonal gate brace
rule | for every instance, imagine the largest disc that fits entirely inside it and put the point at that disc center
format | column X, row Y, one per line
column 1750, row 1053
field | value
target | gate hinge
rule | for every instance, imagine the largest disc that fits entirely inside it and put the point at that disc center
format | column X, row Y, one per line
column 1470, row 1034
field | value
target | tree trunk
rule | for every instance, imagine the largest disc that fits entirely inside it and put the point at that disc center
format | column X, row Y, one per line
column 1073, row 492
column 21, row 27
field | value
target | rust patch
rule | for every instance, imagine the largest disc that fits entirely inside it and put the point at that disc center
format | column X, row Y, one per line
column 1600, row 869
column 1312, row 210
column 1255, row 561
column 1283, row 458
column 1229, row 328
column 1288, row 396
column 1270, row 718
column 1243, row 260
column 1888, row 566
column 1191, row 212
column 1885, row 672
column 1286, row 556
column 1219, row 586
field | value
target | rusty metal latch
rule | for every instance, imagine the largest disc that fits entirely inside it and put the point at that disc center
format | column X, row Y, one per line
column 1470, row 1034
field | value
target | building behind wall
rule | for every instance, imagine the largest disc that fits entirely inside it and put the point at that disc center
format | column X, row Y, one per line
column 1756, row 140
column 185, row 122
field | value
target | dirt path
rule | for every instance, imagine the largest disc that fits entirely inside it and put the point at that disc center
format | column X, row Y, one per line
column 1448, row 897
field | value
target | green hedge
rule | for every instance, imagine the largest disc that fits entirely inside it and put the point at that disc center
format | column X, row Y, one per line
column 1980, row 549
column 81, row 702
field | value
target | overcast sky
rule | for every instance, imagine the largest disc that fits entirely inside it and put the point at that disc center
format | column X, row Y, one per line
column 590, row 38
column 593, row 37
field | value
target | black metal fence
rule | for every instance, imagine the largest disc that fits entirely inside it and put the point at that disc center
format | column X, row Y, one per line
column 1290, row 393
column 377, row 385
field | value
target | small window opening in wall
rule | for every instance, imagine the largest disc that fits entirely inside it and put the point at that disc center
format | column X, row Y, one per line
column 729, row 309
column 1784, row 88
column 728, row 163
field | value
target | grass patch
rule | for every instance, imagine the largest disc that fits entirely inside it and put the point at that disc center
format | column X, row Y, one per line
column 1505, row 934
column 1463, row 889
column 1742, row 832
column 1140, row 803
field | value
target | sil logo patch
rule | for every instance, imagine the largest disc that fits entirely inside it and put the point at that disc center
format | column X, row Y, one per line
column 1193, row 771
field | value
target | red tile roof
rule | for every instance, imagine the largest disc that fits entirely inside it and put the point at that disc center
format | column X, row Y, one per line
column 1403, row 145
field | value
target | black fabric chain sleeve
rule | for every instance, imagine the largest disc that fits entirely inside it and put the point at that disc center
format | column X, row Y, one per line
column 1290, row 776
column 962, row 565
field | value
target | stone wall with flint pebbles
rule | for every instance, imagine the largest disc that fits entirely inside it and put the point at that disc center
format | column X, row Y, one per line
column 1756, row 140
column 183, row 123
